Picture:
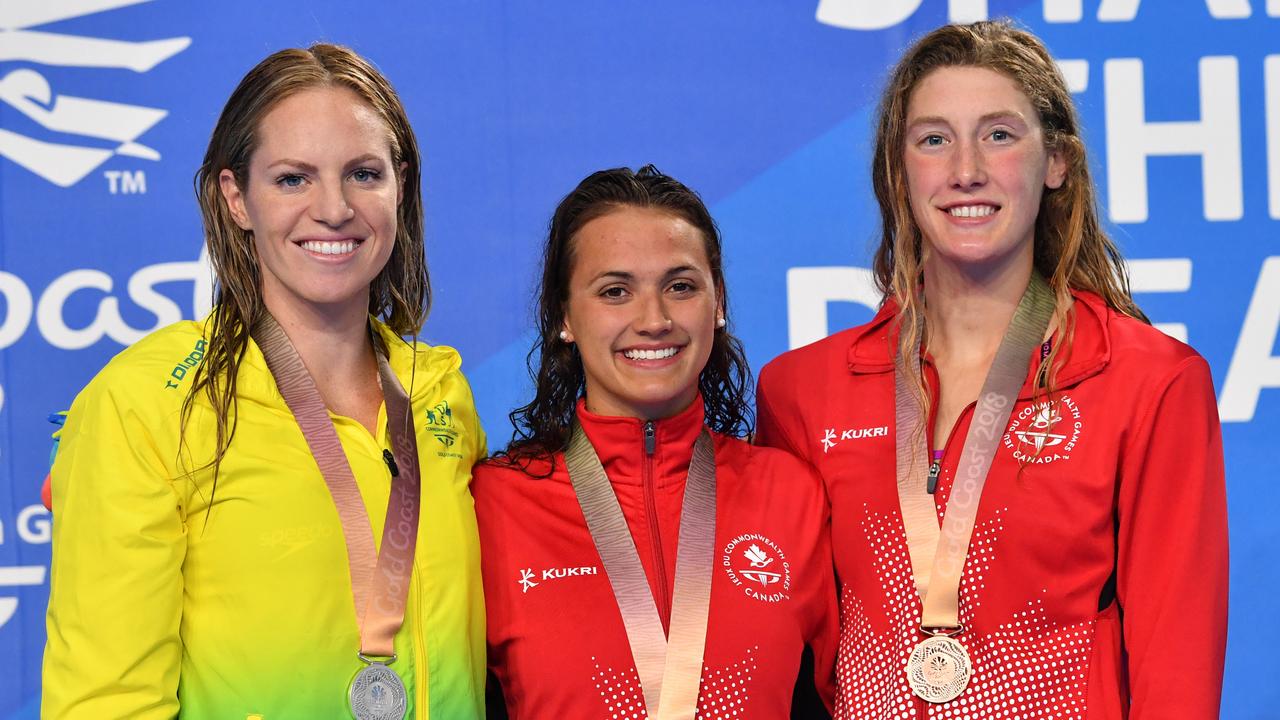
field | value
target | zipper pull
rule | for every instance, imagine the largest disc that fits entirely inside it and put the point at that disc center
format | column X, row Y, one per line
column 934, row 470
column 650, row 437
column 390, row 460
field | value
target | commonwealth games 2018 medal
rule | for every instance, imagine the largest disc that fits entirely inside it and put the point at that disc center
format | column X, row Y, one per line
column 939, row 669
column 377, row 693
column 379, row 574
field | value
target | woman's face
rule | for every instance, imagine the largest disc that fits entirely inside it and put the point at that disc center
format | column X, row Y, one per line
column 642, row 309
column 321, row 201
column 976, row 168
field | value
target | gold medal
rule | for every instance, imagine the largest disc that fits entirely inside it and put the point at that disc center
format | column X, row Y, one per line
column 939, row 669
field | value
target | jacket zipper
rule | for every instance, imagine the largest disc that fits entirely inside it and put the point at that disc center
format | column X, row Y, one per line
column 651, row 509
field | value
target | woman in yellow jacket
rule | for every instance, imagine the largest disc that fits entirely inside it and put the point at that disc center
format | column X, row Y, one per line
column 236, row 530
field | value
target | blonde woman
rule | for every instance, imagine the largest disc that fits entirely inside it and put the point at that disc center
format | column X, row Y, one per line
column 236, row 528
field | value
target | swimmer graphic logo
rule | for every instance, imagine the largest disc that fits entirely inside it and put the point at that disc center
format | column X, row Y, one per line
column 104, row 128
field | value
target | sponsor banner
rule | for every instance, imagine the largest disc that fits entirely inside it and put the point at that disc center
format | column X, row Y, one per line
column 764, row 108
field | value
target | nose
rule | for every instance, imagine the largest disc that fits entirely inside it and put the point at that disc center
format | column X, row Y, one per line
column 968, row 167
column 329, row 206
column 653, row 318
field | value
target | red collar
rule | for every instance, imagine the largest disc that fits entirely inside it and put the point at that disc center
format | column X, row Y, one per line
column 620, row 443
column 872, row 346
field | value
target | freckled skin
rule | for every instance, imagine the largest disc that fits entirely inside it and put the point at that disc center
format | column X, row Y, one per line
column 974, row 139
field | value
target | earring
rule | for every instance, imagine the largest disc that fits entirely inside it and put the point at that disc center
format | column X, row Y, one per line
column 564, row 336
column 720, row 322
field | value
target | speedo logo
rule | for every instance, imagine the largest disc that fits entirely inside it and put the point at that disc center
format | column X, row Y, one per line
column 186, row 365
column 832, row 436
column 105, row 128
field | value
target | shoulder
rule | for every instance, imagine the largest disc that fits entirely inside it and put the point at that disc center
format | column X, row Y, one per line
column 766, row 465
column 864, row 348
column 1131, row 346
column 502, row 476
column 157, row 368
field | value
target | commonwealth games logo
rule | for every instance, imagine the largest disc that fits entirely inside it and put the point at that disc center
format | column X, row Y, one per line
column 758, row 566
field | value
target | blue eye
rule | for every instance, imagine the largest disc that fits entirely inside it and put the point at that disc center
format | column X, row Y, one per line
column 365, row 175
column 1000, row 135
column 932, row 140
column 289, row 181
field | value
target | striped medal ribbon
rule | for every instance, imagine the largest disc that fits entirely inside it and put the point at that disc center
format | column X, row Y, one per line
column 939, row 668
column 670, row 669
column 379, row 577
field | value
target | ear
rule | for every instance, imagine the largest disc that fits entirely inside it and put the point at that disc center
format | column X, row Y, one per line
column 566, row 329
column 400, row 184
column 1056, row 172
column 234, row 196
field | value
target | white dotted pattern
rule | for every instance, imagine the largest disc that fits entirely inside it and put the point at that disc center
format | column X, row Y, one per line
column 722, row 692
column 1026, row 668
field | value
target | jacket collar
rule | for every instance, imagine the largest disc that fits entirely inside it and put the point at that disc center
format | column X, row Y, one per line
column 872, row 346
column 620, row 444
column 419, row 367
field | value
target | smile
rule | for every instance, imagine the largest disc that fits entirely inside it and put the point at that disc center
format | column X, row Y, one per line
column 971, row 211
column 329, row 247
column 662, row 354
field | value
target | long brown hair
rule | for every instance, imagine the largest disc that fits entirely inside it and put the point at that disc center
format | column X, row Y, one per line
column 543, row 425
column 1071, row 250
column 400, row 294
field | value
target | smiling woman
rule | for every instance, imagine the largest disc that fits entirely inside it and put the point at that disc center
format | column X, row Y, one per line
column 1015, row 369
column 699, row 566
column 241, row 539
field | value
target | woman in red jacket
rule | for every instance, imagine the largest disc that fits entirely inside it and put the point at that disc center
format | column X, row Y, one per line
column 1008, row 364
column 639, row 558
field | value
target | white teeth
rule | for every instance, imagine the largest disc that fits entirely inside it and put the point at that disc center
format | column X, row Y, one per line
column 968, row 211
column 650, row 354
column 330, row 248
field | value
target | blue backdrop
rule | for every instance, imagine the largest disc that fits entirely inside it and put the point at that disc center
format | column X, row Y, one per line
column 762, row 106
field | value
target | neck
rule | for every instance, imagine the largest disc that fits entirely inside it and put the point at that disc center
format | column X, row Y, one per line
column 333, row 341
column 968, row 312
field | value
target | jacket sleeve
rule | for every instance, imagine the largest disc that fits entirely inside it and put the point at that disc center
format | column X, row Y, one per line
column 771, row 430
column 826, row 632
column 115, row 596
column 1172, row 551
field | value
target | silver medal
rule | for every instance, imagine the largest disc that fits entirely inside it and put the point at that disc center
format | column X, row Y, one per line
column 939, row 669
column 377, row 693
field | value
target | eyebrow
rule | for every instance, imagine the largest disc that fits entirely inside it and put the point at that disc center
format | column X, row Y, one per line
column 623, row 275
column 308, row 167
column 939, row 120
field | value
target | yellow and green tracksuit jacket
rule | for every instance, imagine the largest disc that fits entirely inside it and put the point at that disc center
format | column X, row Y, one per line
column 171, row 595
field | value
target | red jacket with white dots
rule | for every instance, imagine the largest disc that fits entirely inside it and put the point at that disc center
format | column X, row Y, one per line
column 1096, row 581
column 556, row 639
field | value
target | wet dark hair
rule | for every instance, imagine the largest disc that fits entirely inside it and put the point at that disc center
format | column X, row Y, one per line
column 542, row 427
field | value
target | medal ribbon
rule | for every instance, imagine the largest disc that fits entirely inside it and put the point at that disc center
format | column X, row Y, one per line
column 379, row 578
column 670, row 670
column 938, row 554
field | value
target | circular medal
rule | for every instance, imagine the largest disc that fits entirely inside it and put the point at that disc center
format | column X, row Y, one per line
column 377, row 693
column 939, row 669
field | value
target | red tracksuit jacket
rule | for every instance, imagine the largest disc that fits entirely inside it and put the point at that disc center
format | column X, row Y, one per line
column 1096, row 580
column 556, row 638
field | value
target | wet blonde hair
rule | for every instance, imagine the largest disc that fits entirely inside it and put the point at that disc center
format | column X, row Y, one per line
column 400, row 294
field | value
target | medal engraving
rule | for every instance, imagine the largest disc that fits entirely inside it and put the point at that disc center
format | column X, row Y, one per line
column 939, row 669
column 377, row 694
